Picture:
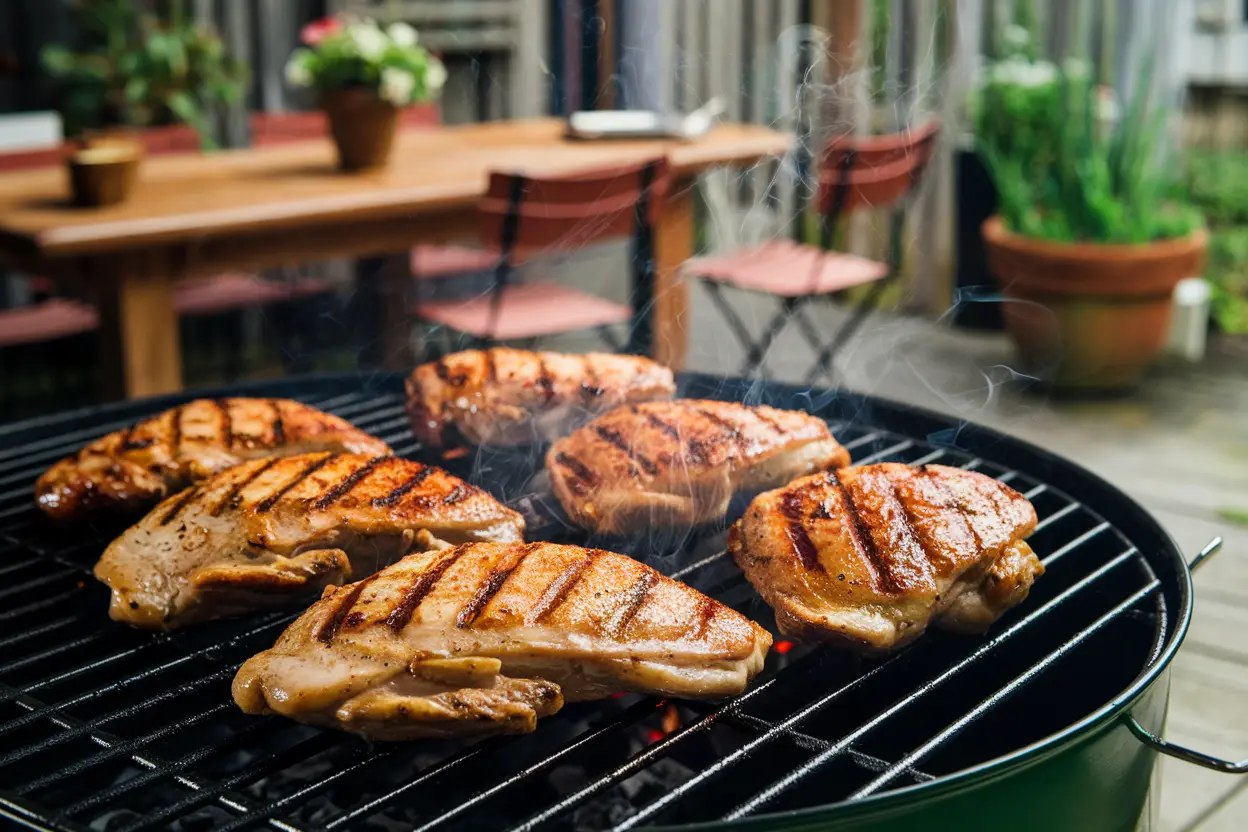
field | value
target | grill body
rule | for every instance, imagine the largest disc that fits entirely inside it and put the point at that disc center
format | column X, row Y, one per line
column 104, row 728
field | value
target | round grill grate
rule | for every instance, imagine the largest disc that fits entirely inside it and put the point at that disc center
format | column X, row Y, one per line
column 102, row 727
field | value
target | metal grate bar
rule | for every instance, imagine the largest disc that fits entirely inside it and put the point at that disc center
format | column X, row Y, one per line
column 655, row 751
column 635, row 712
column 21, row 564
column 277, row 806
column 161, row 770
column 817, row 762
column 124, row 748
column 275, row 621
column 39, row 630
column 928, row 458
column 55, row 650
column 812, row 743
column 33, row 583
column 743, row 752
column 1002, row 694
column 425, row 776
column 295, row 754
column 77, row 730
column 1062, row 551
column 18, row 612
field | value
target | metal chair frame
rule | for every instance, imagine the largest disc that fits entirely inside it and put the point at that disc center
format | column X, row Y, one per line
column 640, row 337
column 795, row 308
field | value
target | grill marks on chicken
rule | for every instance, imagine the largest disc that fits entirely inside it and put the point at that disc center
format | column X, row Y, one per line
column 487, row 638
column 133, row 469
column 515, row 397
column 870, row 556
column 678, row 463
column 269, row 530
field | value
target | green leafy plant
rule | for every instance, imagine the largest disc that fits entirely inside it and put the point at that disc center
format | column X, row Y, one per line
column 137, row 67
column 1217, row 183
column 1065, row 166
column 352, row 53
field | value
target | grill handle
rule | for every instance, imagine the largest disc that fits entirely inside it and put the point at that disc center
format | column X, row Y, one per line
column 1180, row 752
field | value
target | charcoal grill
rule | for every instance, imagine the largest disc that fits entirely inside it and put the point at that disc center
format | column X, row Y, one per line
column 1038, row 724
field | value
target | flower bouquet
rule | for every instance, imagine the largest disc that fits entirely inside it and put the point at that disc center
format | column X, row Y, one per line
column 364, row 74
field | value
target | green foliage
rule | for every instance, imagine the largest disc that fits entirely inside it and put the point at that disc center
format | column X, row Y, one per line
column 140, row 69
column 355, row 54
column 1217, row 183
column 1066, row 169
column 1238, row 516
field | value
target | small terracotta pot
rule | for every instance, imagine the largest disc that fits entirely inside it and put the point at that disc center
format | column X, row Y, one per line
column 103, row 174
column 1089, row 315
column 363, row 127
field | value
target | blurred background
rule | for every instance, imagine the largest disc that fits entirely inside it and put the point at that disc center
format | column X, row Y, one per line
column 1103, row 313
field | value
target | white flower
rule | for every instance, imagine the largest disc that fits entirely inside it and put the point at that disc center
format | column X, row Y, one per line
column 368, row 39
column 435, row 75
column 396, row 86
column 1022, row 73
column 297, row 72
column 1015, row 36
column 402, row 35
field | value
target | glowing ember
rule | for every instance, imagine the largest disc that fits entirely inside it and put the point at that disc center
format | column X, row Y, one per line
column 783, row 646
column 455, row 453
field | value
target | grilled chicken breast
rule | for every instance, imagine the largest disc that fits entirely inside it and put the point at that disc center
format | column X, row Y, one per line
column 679, row 463
column 131, row 470
column 516, row 397
column 267, row 530
column 868, row 556
column 486, row 638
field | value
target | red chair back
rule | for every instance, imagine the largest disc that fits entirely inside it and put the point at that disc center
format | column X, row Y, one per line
column 569, row 211
column 873, row 171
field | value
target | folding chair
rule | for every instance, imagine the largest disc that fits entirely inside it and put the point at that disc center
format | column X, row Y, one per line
column 523, row 216
column 854, row 172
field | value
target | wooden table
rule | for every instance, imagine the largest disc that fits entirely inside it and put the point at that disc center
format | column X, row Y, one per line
column 200, row 215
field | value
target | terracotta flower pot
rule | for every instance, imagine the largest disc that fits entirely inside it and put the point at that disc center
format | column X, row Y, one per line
column 362, row 126
column 104, row 173
column 1089, row 315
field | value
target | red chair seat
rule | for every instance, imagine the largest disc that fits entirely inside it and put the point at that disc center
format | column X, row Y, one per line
column 788, row 269
column 231, row 291
column 530, row 310
column 46, row 321
column 431, row 262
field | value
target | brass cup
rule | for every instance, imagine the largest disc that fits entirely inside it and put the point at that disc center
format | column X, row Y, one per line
column 104, row 173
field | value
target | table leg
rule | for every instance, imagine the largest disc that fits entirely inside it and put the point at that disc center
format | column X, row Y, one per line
column 382, row 306
column 140, row 352
column 673, row 245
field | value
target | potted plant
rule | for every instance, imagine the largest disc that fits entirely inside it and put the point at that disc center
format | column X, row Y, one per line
column 364, row 74
column 138, row 69
column 1090, row 239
